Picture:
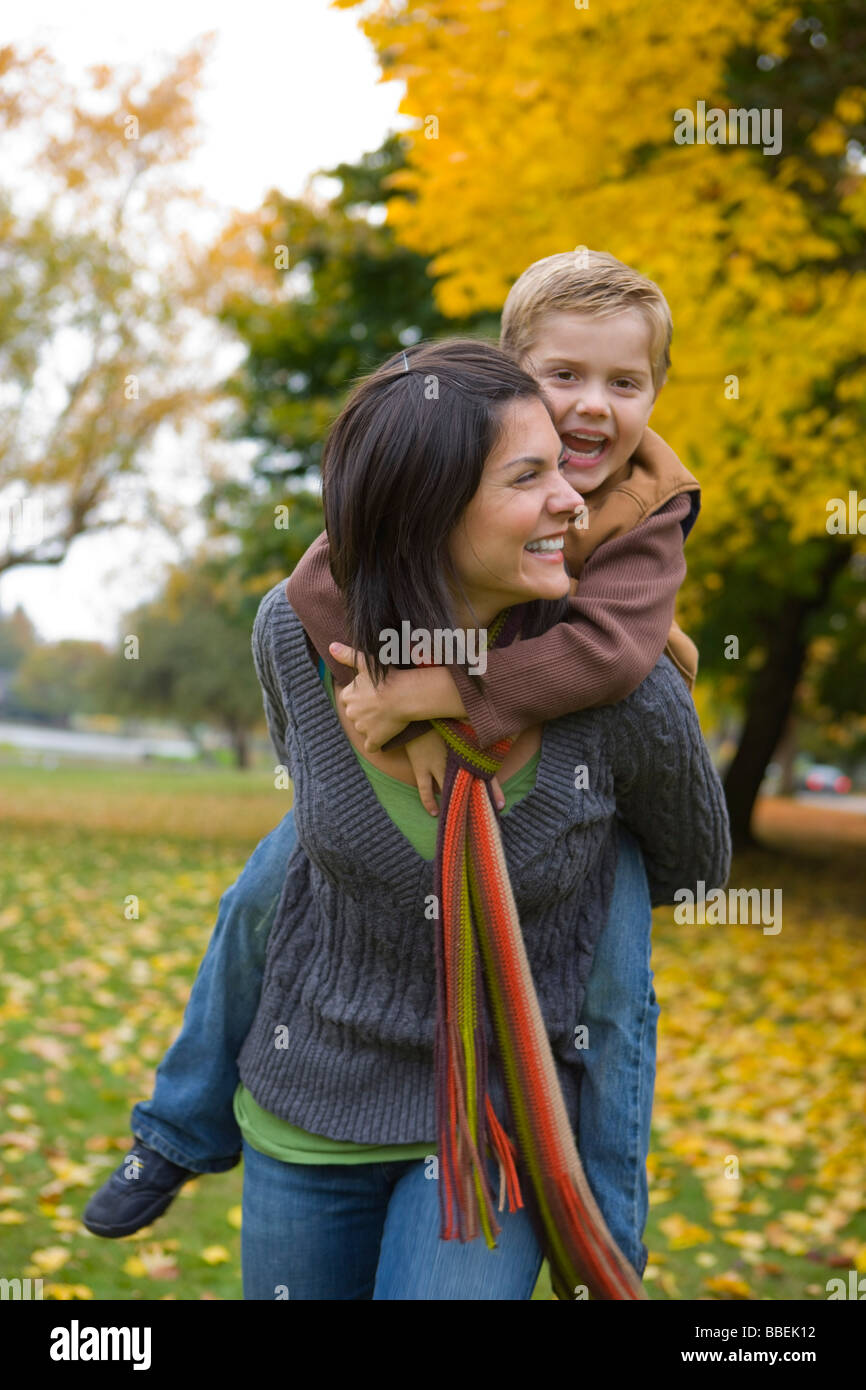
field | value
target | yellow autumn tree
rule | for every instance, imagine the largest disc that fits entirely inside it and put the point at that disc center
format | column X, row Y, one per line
column 543, row 126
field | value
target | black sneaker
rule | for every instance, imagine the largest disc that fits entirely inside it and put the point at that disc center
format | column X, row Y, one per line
column 136, row 1193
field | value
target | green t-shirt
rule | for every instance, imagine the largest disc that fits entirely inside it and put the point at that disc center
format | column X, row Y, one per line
column 268, row 1133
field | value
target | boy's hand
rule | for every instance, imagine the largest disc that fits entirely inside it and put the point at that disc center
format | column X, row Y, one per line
column 428, row 754
column 372, row 709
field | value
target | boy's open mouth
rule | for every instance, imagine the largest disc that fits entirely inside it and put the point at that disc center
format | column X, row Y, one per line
column 583, row 448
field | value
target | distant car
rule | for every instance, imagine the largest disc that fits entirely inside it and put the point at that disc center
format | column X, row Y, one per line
column 823, row 778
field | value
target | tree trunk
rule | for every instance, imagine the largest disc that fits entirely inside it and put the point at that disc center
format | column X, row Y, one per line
column 771, row 699
column 240, row 745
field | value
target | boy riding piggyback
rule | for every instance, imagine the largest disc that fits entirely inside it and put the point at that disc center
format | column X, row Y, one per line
column 596, row 335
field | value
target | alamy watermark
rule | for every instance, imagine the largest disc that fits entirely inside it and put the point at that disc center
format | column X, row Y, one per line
column 846, row 518
column 444, row 646
column 855, row 1288
column 737, row 126
column 24, row 519
column 721, row 906
column 20, row 1289
column 77, row 1343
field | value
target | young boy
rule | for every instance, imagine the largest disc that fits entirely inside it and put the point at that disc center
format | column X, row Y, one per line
column 597, row 336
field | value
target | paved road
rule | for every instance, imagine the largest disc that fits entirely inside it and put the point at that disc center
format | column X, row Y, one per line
column 854, row 804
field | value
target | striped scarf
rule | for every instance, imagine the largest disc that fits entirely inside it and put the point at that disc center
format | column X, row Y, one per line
column 479, row 943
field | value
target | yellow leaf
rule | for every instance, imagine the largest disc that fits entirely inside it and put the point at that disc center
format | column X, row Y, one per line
column 746, row 1240
column 21, row 1114
column 215, row 1255
column 728, row 1285
column 233, row 1217
column 681, row 1233
column 51, row 1258
column 72, row 1174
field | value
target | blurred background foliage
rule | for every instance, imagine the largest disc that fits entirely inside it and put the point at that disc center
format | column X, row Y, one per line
column 536, row 127
column 533, row 150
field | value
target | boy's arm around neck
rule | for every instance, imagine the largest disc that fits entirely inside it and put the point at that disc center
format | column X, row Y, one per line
column 319, row 604
column 618, row 624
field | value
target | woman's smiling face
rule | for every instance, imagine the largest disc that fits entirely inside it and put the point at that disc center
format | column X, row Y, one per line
column 522, row 499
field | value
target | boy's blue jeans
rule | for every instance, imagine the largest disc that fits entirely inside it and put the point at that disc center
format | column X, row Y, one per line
column 190, row 1119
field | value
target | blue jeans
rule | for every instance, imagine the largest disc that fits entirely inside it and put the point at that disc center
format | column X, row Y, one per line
column 190, row 1119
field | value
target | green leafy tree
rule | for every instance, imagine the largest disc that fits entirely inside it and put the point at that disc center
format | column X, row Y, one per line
column 17, row 636
column 59, row 679
column 187, row 656
column 325, row 295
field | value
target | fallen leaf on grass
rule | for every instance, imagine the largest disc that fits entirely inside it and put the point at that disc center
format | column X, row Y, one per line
column 215, row 1255
column 682, row 1233
column 746, row 1240
column 728, row 1285
column 51, row 1258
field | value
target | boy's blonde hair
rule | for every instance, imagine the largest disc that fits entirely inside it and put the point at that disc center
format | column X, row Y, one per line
column 587, row 282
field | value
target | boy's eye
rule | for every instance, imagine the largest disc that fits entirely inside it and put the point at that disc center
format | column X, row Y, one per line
column 625, row 381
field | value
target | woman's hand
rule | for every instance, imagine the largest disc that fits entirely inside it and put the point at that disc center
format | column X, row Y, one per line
column 373, row 709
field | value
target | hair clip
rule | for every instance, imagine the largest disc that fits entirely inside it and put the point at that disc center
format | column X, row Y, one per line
column 405, row 361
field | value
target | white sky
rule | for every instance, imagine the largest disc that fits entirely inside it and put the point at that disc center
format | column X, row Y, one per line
column 290, row 88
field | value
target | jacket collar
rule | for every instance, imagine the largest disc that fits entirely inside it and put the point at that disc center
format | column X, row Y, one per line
column 650, row 478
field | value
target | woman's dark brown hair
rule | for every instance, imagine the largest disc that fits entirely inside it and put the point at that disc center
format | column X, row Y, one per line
column 401, row 464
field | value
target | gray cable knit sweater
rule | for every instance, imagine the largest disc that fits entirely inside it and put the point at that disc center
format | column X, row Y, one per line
column 342, row 1042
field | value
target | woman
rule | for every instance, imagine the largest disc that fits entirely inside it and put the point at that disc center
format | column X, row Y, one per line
column 439, row 482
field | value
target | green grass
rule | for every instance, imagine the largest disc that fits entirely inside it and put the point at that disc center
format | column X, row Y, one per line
column 760, row 1056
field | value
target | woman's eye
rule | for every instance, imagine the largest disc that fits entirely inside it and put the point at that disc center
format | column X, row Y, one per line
column 524, row 477
column 564, row 375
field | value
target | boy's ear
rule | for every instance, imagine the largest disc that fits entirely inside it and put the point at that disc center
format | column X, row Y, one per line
column 659, row 391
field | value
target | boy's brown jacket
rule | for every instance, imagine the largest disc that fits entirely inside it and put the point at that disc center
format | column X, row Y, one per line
column 620, row 608
column 648, row 481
